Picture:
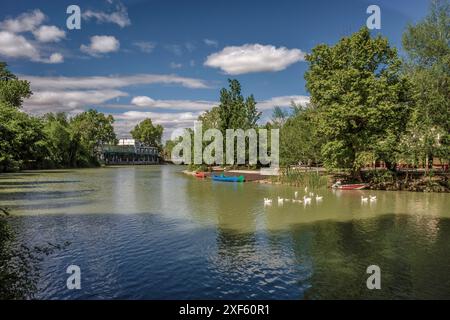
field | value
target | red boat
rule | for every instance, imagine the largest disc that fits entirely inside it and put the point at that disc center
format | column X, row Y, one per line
column 355, row 186
column 200, row 175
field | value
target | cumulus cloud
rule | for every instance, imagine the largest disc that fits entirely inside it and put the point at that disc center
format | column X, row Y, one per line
column 16, row 46
column 119, row 16
column 101, row 45
column 145, row 46
column 248, row 58
column 49, row 34
column 27, row 21
column 109, row 82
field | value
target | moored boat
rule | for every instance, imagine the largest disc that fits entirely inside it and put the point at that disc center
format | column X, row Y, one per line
column 354, row 186
column 200, row 175
column 228, row 179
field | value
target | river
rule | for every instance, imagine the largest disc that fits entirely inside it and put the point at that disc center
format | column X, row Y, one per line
column 151, row 232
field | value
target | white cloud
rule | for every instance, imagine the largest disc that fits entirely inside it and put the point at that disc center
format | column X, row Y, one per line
column 49, row 34
column 174, row 65
column 51, row 101
column 119, row 17
column 16, row 46
column 102, row 82
column 211, row 43
column 282, row 101
column 56, row 58
column 253, row 58
column 199, row 105
column 145, row 46
column 169, row 120
column 101, row 45
column 27, row 21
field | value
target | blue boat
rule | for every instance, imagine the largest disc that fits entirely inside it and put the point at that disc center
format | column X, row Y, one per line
column 228, row 179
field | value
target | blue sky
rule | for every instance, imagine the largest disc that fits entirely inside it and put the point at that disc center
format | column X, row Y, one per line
column 168, row 59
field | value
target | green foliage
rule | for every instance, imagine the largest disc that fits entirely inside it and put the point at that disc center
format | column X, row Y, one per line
column 428, row 68
column 234, row 111
column 148, row 133
column 359, row 94
column 299, row 177
column 12, row 90
column 21, row 139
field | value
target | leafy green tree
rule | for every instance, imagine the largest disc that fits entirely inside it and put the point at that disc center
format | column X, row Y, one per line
column 235, row 112
column 21, row 139
column 12, row 90
column 93, row 129
column 148, row 133
column 299, row 140
column 360, row 97
column 428, row 68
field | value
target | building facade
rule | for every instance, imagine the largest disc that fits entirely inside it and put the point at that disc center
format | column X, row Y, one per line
column 129, row 152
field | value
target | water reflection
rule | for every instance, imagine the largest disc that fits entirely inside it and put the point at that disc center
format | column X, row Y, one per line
column 151, row 232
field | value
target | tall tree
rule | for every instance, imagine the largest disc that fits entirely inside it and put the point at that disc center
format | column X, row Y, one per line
column 148, row 133
column 235, row 112
column 360, row 97
column 93, row 129
column 428, row 67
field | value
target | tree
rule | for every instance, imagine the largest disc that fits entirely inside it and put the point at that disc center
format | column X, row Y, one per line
column 21, row 139
column 360, row 97
column 299, row 141
column 93, row 129
column 12, row 90
column 148, row 133
column 428, row 67
column 235, row 112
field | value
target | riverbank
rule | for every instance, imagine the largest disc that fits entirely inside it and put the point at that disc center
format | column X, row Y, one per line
column 376, row 180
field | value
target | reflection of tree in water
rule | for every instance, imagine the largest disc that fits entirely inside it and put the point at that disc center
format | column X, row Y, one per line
column 413, row 264
column 19, row 264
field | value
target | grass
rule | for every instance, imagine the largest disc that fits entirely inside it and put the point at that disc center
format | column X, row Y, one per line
column 298, row 177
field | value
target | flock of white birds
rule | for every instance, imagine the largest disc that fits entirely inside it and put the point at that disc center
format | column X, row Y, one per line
column 308, row 197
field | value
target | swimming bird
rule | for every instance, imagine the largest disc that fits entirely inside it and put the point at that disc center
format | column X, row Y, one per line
column 287, row 200
column 364, row 199
column 295, row 194
column 373, row 198
column 297, row 201
column 267, row 201
column 280, row 200
column 306, row 199
column 319, row 198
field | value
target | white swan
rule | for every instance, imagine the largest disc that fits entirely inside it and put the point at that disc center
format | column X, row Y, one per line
column 296, row 201
column 295, row 194
column 364, row 199
column 306, row 199
column 319, row 198
column 267, row 201
column 280, row 200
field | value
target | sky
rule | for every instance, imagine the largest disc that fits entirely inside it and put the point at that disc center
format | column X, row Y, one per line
column 168, row 60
